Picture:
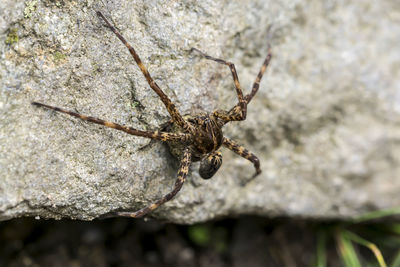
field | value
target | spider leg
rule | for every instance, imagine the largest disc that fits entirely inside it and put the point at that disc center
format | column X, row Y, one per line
column 182, row 173
column 163, row 136
column 243, row 152
column 173, row 111
column 242, row 105
column 236, row 109
column 260, row 74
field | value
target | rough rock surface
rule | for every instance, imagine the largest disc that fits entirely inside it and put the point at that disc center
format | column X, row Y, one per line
column 325, row 122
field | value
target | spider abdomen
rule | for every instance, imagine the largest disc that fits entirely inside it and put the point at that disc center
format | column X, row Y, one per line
column 210, row 164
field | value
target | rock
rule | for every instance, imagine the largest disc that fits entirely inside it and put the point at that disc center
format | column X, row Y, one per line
column 325, row 123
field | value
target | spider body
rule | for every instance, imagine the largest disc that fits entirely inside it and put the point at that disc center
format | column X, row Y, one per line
column 207, row 139
column 190, row 137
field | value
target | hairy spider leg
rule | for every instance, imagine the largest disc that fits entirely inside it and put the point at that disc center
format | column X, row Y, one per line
column 256, row 83
column 182, row 174
column 224, row 115
column 243, row 152
column 260, row 74
column 173, row 111
column 239, row 111
column 235, row 77
column 163, row 136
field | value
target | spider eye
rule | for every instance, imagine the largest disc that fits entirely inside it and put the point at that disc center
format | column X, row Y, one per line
column 210, row 165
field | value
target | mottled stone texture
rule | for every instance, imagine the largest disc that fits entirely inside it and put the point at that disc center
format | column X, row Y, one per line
column 325, row 122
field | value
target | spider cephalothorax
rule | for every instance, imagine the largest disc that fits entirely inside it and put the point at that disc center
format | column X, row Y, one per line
column 207, row 133
column 206, row 138
column 191, row 137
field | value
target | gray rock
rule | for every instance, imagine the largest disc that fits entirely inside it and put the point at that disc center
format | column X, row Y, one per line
column 325, row 122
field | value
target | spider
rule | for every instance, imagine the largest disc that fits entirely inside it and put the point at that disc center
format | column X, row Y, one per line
column 191, row 138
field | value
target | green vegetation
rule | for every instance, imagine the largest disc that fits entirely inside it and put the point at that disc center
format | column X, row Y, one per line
column 12, row 36
column 207, row 235
column 200, row 234
column 351, row 237
column 58, row 57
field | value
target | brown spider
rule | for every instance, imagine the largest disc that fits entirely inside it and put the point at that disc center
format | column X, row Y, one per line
column 191, row 137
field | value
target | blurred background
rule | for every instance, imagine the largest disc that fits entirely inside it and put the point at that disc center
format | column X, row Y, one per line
column 243, row 241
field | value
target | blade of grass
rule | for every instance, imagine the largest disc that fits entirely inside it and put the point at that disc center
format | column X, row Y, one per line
column 377, row 214
column 346, row 249
column 357, row 239
column 383, row 234
column 321, row 249
column 396, row 260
